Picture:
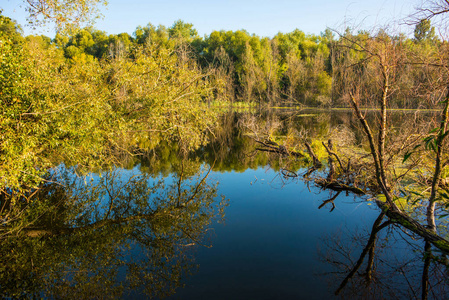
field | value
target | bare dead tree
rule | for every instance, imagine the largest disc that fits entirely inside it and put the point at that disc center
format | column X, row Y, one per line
column 369, row 70
column 373, row 67
column 433, row 9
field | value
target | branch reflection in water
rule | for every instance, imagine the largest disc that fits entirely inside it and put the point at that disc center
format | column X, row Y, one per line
column 104, row 235
column 392, row 260
column 385, row 262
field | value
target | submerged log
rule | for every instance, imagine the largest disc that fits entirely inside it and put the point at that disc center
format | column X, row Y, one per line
column 411, row 224
column 338, row 186
column 395, row 215
column 273, row 147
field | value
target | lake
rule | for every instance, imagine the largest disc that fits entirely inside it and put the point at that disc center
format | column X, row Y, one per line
column 221, row 223
column 269, row 245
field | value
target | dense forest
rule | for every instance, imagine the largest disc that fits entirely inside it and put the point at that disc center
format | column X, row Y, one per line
column 294, row 68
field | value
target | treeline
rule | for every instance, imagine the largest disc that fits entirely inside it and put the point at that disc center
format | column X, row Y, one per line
column 291, row 68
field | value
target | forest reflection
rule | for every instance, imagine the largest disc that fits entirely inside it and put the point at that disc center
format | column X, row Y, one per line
column 99, row 237
column 135, row 230
column 233, row 146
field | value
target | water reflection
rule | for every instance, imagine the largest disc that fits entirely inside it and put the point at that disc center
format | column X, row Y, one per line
column 134, row 232
column 103, row 236
column 385, row 262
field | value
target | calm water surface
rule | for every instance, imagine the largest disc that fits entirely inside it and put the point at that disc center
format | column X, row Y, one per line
column 268, row 247
column 277, row 242
column 160, row 228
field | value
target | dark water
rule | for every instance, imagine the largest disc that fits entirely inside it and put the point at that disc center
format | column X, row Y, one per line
column 222, row 223
column 278, row 241
column 269, row 246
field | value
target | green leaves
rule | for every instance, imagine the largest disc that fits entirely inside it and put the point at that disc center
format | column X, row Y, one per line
column 430, row 142
column 409, row 153
column 83, row 112
column 435, row 136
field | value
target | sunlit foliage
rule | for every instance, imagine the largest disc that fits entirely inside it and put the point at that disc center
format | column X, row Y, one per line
column 60, row 103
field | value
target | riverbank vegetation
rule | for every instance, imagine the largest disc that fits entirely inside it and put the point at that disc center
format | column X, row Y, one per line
column 84, row 96
column 86, row 99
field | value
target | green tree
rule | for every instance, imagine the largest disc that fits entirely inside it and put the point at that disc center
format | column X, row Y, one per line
column 82, row 110
column 183, row 31
column 79, row 44
column 424, row 31
column 10, row 28
column 151, row 35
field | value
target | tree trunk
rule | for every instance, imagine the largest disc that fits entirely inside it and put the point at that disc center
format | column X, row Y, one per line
column 437, row 173
column 380, row 172
column 414, row 226
column 383, row 128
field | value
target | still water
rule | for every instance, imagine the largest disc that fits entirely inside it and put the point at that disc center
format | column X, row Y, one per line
column 269, row 245
column 222, row 223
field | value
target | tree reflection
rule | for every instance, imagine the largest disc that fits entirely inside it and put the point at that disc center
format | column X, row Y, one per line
column 101, row 236
column 386, row 263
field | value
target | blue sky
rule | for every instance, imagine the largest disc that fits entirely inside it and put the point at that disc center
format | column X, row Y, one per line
column 261, row 17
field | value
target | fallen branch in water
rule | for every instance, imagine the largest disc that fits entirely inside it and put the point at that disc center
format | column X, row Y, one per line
column 338, row 186
column 411, row 224
column 396, row 217
column 344, row 181
column 288, row 173
column 331, row 200
column 271, row 146
column 332, row 153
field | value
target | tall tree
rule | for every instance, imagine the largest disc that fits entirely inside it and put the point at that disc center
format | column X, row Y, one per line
column 424, row 31
column 182, row 31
